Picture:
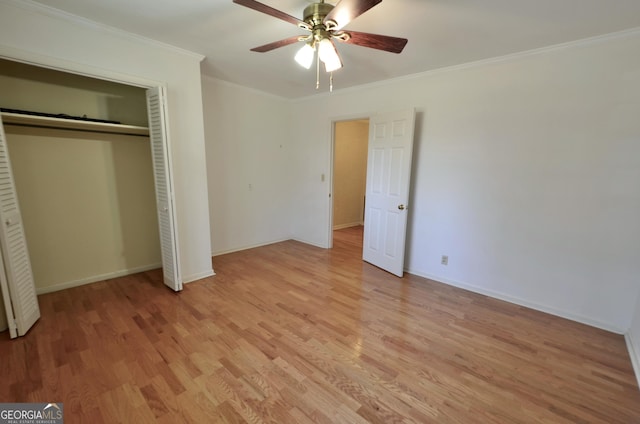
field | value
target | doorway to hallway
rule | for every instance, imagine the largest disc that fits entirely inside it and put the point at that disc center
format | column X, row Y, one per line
column 350, row 146
column 379, row 187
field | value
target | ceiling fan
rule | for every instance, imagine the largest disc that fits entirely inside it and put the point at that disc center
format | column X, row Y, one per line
column 325, row 22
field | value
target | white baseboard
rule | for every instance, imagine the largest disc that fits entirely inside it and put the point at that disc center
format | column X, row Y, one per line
column 523, row 302
column 633, row 354
column 252, row 246
column 95, row 279
column 311, row 243
column 194, row 277
column 343, row 226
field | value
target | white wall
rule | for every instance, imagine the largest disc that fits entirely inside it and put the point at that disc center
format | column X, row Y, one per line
column 525, row 174
column 31, row 33
column 248, row 162
column 87, row 202
column 38, row 89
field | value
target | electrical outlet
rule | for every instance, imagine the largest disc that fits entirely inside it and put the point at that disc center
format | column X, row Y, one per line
column 444, row 260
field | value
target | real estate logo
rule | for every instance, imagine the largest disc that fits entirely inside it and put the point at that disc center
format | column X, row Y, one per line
column 31, row 413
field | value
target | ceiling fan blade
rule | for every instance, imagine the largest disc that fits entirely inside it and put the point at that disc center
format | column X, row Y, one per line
column 276, row 44
column 347, row 10
column 260, row 7
column 376, row 41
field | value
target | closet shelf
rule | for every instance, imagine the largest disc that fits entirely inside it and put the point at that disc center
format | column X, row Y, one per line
column 71, row 124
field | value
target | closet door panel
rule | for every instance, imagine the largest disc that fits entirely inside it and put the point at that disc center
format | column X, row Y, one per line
column 156, row 102
column 17, row 266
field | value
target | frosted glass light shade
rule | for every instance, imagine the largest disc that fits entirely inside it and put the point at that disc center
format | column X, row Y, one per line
column 329, row 55
column 305, row 55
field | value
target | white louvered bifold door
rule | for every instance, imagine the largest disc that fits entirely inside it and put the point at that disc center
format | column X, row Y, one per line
column 17, row 266
column 156, row 108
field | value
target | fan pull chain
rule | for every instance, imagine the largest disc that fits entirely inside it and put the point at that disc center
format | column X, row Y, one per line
column 318, row 72
column 331, row 83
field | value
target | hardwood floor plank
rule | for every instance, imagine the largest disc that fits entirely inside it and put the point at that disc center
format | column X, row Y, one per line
column 290, row 333
column 154, row 401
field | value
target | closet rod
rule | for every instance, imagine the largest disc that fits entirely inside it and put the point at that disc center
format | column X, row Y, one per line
column 77, row 129
column 73, row 125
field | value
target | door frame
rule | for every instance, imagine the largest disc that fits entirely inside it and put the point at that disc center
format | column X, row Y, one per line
column 332, row 152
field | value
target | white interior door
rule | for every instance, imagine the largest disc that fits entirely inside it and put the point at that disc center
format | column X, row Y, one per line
column 156, row 109
column 18, row 288
column 387, row 193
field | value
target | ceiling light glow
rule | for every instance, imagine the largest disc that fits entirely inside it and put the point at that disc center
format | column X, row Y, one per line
column 329, row 55
column 305, row 56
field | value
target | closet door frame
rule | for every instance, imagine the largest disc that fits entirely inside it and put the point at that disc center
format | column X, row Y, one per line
column 106, row 75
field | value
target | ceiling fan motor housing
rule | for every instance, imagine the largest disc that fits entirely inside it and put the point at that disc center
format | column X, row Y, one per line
column 315, row 13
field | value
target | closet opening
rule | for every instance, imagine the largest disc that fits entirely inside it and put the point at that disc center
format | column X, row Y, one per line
column 88, row 194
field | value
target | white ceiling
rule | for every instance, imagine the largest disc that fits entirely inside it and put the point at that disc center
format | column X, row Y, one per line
column 441, row 33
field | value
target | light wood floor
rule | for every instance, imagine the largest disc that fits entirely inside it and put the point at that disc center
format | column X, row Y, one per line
column 290, row 333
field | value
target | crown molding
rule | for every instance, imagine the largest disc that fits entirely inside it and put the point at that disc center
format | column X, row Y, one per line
column 35, row 7
column 632, row 32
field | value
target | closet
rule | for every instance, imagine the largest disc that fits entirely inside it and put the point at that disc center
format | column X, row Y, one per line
column 95, row 198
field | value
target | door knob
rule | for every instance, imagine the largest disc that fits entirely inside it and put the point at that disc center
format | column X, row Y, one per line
column 401, row 207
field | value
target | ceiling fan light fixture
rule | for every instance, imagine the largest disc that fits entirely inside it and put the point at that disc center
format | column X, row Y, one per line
column 305, row 56
column 324, row 22
column 329, row 55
